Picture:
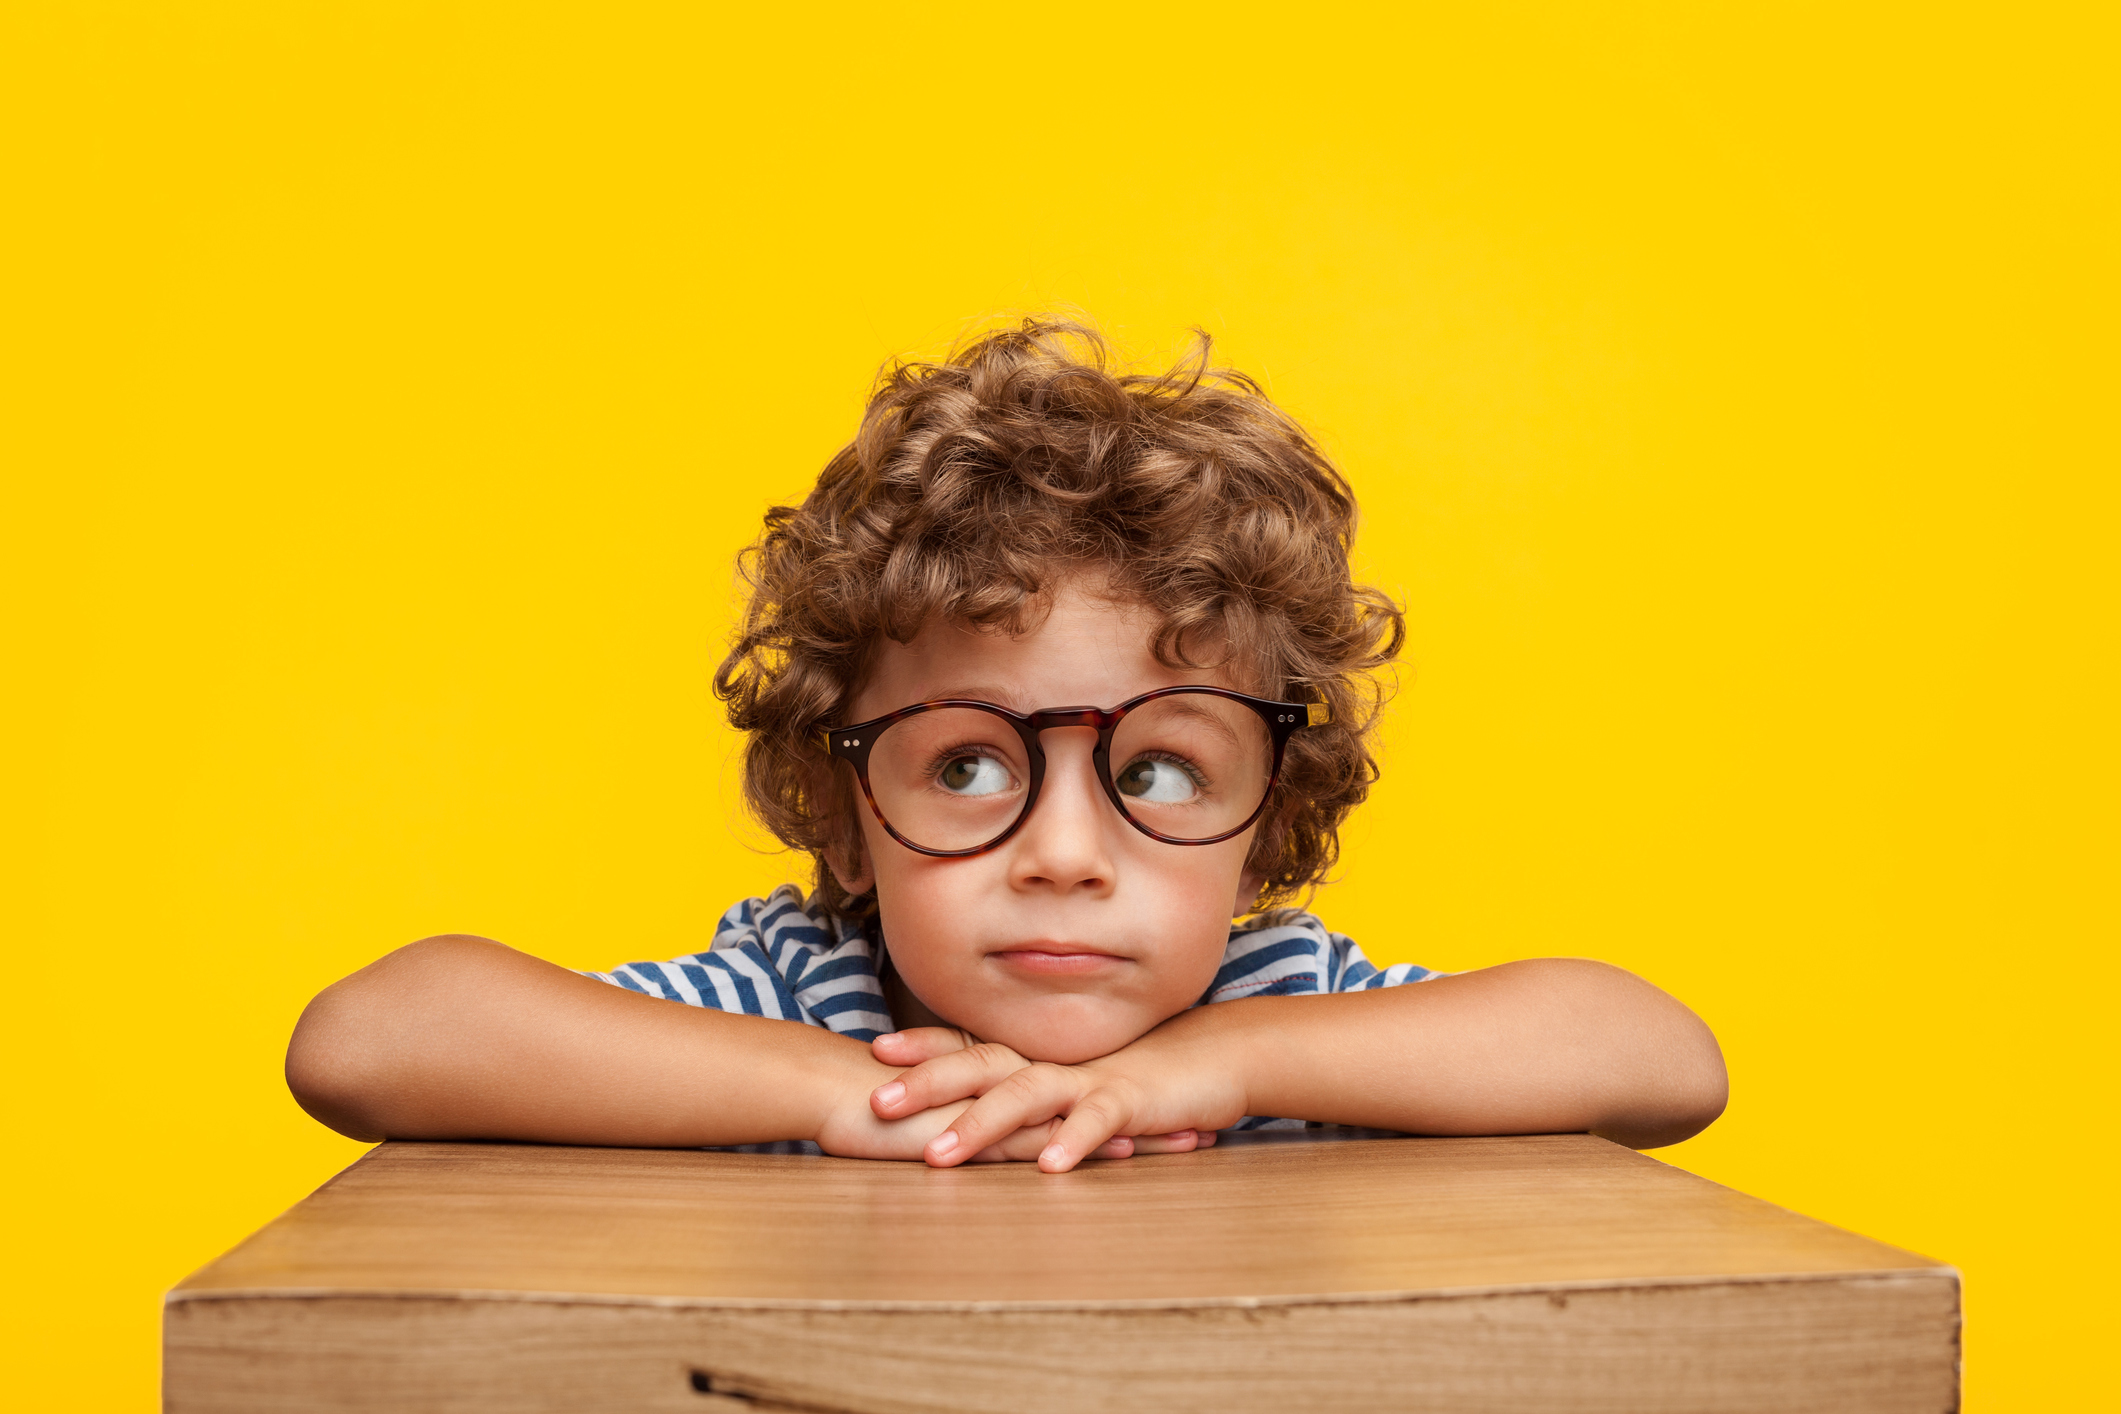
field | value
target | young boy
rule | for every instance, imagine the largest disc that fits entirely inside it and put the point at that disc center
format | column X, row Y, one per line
column 1053, row 673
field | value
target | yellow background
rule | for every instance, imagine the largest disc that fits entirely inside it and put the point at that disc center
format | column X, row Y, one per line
column 1730, row 393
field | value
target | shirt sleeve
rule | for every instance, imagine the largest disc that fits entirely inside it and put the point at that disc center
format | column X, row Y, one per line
column 1291, row 954
column 1353, row 972
column 774, row 957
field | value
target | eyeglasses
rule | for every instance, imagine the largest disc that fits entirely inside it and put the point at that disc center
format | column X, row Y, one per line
column 1185, row 765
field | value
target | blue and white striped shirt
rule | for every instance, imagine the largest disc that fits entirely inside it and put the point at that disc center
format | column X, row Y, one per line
column 775, row 957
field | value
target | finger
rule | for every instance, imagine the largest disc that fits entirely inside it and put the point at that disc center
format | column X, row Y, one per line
column 1029, row 1096
column 916, row 1044
column 1094, row 1119
column 960, row 1075
column 1022, row 1146
column 1184, row 1141
column 1025, row 1145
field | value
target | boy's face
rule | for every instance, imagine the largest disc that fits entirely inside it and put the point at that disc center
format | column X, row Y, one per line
column 1079, row 933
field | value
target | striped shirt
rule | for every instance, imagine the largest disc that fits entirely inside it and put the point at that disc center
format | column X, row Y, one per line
column 776, row 957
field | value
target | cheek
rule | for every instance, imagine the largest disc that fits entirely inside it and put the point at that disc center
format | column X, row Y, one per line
column 919, row 902
column 922, row 904
column 1201, row 880
column 1175, row 899
column 905, row 880
column 1187, row 903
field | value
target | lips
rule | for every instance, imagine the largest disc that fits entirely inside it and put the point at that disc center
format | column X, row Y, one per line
column 1057, row 958
column 1059, row 949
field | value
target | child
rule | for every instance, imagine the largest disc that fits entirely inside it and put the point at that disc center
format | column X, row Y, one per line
column 1053, row 673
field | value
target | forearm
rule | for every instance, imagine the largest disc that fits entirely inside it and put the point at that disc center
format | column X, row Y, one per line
column 460, row 1038
column 1526, row 1048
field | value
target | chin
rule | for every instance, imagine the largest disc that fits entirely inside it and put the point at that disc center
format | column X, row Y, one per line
column 1060, row 1054
column 1069, row 1041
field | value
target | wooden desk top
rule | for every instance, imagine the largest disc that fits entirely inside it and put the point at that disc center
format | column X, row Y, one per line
column 1241, row 1224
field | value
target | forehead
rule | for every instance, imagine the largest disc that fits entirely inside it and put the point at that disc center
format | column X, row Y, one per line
column 1090, row 650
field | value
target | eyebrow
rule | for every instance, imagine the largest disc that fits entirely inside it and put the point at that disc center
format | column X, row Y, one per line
column 1182, row 707
column 1013, row 700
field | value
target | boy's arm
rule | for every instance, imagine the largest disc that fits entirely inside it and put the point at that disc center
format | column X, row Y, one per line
column 462, row 1038
column 1549, row 1046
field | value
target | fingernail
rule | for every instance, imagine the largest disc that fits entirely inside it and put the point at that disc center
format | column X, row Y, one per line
column 888, row 1036
column 888, row 1095
column 943, row 1144
column 1052, row 1154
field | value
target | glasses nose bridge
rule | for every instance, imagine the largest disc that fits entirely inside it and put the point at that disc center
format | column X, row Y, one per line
column 1096, row 718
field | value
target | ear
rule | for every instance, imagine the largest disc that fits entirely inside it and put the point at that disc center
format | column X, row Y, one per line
column 1250, row 882
column 845, row 851
column 857, row 876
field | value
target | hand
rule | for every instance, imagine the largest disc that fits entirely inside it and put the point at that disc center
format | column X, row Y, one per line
column 1164, row 1093
column 916, row 1046
column 854, row 1129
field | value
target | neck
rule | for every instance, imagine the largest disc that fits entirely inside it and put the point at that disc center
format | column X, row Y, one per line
column 907, row 1010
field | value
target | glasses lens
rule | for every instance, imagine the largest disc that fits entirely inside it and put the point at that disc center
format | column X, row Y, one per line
column 950, row 779
column 1192, row 766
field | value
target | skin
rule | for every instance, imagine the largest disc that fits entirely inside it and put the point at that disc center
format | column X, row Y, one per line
column 1046, row 986
column 1080, row 933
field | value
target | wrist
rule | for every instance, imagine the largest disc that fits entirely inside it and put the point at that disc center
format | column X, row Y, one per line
column 1205, row 1052
column 839, row 1078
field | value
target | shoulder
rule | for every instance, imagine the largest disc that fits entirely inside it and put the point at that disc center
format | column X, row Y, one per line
column 1290, row 952
column 779, row 956
column 791, row 931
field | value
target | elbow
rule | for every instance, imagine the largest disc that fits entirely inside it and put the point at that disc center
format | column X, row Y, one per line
column 1710, row 1084
column 352, row 1058
column 331, row 1079
column 1685, row 1094
column 1693, row 1103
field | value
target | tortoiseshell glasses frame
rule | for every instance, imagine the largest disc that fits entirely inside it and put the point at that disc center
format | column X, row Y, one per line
column 853, row 744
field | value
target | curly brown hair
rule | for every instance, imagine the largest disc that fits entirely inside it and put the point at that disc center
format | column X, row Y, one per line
column 976, row 484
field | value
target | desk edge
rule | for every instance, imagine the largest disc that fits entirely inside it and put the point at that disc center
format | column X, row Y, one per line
column 184, row 1296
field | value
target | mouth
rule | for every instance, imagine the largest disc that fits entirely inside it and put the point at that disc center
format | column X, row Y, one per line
column 1047, row 957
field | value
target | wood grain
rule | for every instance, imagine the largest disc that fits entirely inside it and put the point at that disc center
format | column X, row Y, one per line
column 1850, row 1347
column 1233, row 1223
column 1469, row 1275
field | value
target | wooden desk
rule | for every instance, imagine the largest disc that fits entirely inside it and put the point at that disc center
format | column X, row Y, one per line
column 1460, row 1275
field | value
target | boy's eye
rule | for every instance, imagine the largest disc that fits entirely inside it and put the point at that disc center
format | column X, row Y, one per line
column 1157, row 782
column 973, row 775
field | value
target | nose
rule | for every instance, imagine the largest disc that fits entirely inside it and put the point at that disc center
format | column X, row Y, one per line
column 1066, row 843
